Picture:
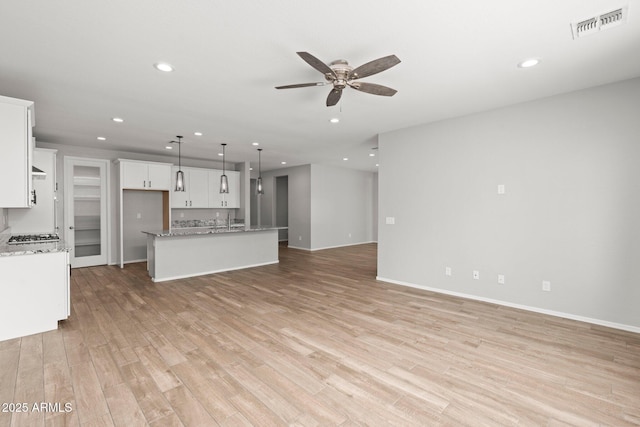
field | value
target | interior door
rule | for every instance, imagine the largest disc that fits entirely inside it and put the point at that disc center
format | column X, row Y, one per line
column 86, row 210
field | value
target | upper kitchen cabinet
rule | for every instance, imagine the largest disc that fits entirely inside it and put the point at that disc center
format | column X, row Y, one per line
column 16, row 142
column 196, row 194
column 138, row 175
column 224, row 200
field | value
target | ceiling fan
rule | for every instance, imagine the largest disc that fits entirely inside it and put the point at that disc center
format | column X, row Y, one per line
column 340, row 74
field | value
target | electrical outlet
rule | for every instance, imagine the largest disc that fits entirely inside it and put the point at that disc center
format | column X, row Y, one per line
column 501, row 189
column 501, row 279
column 138, row 215
column 447, row 271
column 181, row 214
column 476, row 275
column 300, row 238
column 390, row 220
column 546, row 286
column 349, row 235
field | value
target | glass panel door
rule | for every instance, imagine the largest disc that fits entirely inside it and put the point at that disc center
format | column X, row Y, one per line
column 86, row 211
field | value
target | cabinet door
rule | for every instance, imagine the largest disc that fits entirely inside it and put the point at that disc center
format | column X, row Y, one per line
column 159, row 177
column 216, row 200
column 134, row 175
column 232, row 199
column 15, row 162
column 198, row 188
column 179, row 199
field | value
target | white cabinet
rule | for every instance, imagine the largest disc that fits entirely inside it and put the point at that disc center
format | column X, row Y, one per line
column 16, row 145
column 136, row 175
column 34, row 293
column 41, row 218
column 224, row 200
column 196, row 194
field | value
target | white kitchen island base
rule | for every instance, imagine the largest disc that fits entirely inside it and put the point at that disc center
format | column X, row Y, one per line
column 176, row 255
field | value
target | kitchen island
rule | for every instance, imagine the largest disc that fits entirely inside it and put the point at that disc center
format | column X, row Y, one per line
column 188, row 252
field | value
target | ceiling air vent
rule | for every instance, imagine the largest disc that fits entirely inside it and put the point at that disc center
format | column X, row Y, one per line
column 598, row 23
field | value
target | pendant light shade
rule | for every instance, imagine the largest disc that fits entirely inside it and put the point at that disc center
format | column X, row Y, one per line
column 224, row 182
column 180, row 186
column 259, row 187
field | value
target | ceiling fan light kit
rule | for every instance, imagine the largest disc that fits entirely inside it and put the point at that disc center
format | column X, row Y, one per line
column 341, row 75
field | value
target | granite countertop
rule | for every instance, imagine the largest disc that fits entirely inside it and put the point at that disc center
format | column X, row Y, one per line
column 30, row 248
column 194, row 231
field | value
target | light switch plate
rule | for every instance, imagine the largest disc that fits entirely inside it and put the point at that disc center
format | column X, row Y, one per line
column 501, row 189
column 546, row 286
column 390, row 220
column 501, row 279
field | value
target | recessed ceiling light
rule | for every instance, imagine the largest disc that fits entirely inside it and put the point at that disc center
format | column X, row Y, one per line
column 102, row 138
column 168, row 147
column 250, row 169
column 335, row 120
column 283, row 163
column 163, row 66
column 345, row 158
column 528, row 63
column 377, row 165
column 372, row 154
column 197, row 133
column 255, row 143
column 220, row 154
column 117, row 119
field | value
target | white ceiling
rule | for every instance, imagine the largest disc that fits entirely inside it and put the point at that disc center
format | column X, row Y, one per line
column 84, row 62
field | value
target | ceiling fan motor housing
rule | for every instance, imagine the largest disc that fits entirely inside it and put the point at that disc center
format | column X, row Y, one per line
column 342, row 71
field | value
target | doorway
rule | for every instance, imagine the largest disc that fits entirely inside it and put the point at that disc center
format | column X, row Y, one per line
column 86, row 210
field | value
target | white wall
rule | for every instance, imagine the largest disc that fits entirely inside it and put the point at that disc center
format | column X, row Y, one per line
column 4, row 213
column 299, row 187
column 326, row 204
column 342, row 209
column 570, row 215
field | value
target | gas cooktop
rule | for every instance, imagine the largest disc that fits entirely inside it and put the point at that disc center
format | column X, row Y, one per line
column 20, row 239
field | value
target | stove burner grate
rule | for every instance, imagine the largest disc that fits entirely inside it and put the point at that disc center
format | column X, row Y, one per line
column 20, row 239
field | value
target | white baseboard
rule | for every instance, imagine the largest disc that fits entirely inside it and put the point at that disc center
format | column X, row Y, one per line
column 599, row 322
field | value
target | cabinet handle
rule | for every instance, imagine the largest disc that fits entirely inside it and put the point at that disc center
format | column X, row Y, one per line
column 186, row 203
column 149, row 184
column 144, row 184
column 190, row 203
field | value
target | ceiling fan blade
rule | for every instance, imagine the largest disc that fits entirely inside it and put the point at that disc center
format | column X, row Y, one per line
column 374, row 67
column 316, row 63
column 301, row 85
column 373, row 88
column 334, row 97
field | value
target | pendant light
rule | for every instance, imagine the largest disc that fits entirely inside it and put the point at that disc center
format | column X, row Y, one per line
column 224, row 182
column 259, row 187
column 179, row 175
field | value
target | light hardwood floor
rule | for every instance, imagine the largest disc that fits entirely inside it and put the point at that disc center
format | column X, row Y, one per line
column 314, row 340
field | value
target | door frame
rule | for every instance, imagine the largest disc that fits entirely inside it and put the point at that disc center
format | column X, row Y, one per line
column 105, row 221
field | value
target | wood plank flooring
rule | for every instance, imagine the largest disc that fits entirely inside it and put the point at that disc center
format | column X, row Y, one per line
column 312, row 341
